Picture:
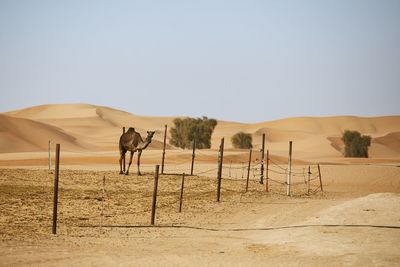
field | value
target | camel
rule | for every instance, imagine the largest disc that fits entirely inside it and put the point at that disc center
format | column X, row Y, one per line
column 132, row 141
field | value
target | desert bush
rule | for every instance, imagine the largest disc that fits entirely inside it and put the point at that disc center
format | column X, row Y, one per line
column 242, row 140
column 356, row 145
column 186, row 130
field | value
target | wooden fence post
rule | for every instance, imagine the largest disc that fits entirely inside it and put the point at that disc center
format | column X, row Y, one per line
column 320, row 178
column 193, row 156
column 220, row 161
column 123, row 159
column 262, row 159
column 266, row 174
column 49, row 156
column 181, row 197
column 248, row 171
column 289, row 174
column 308, row 184
column 103, row 191
column 163, row 153
column 55, row 199
column 154, row 204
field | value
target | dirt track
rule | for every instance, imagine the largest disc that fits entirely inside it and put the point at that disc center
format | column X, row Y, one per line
column 252, row 228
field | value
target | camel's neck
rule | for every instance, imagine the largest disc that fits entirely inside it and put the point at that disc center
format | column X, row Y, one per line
column 143, row 145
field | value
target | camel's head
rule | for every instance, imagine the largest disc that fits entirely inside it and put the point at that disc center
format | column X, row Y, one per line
column 149, row 136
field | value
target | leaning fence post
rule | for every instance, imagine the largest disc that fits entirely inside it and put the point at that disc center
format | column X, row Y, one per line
column 220, row 161
column 181, row 197
column 262, row 159
column 320, row 178
column 163, row 153
column 193, row 156
column 248, row 171
column 123, row 159
column 289, row 174
column 154, row 205
column 55, row 199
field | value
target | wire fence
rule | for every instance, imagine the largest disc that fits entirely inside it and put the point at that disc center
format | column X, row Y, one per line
column 274, row 178
column 271, row 175
column 201, row 189
column 230, row 175
column 122, row 202
column 255, row 174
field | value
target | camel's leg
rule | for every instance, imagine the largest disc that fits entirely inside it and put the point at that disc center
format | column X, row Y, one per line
column 123, row 163
column 130, row 162
column 138, row 162
column 121, row 157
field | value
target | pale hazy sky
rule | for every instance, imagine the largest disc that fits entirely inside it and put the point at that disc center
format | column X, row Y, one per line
column 235, row 60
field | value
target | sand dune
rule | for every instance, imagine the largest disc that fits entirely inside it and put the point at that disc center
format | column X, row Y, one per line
column 384, row 146
column 99, row 128
column 278, row 135
column 391, row 140
column 336, row 143
column 24, row 135
column 316, row 137
column 333, row 125
column 70, row 115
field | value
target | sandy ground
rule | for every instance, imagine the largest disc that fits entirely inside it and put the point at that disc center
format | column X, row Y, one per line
column 354, row 222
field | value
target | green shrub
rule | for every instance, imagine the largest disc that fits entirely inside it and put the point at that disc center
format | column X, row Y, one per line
column 186, row 130
column 242, row 140
column 355, row 144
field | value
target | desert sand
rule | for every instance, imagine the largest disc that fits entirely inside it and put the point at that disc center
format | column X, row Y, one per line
column 354, row 221
column 84, row 127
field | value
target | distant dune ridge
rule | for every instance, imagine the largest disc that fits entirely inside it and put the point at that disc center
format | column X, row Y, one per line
column 85, row 127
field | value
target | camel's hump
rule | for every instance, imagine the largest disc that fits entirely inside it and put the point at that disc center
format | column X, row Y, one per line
column 131, row 129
